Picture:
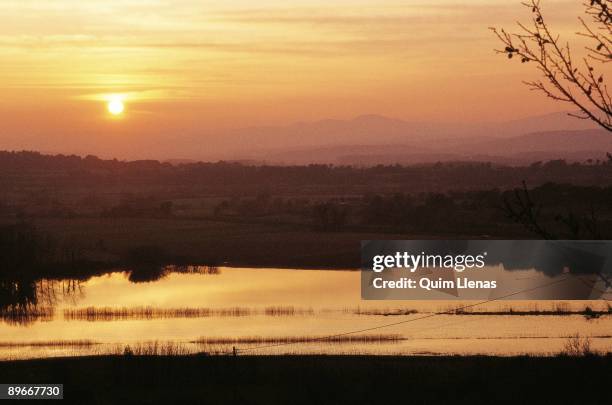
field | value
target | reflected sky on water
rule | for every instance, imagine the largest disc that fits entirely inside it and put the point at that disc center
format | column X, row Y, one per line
column 311, row 302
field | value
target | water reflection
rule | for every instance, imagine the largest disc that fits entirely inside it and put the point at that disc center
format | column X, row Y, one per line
column 23, row 302
column 27, row 300
column 249, row 307
column 38, row 272
column 148, row 273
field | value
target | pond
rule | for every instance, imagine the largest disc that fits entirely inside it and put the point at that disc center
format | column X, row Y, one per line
column 278, row 311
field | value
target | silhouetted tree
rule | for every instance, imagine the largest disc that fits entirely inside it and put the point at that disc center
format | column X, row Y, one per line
column 523, row 210
column 582, row 85
column 330, row 216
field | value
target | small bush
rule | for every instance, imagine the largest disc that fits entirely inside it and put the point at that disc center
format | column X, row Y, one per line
column 577, row 346
column 156, row 348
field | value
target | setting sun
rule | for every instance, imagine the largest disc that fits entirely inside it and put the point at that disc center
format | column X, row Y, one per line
column 115, row 107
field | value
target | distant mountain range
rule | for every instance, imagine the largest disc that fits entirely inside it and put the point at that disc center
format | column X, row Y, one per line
column 373, row 139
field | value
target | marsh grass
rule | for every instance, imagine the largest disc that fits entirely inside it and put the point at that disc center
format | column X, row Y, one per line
column 144, row 313
column 380, row 311
column 51, row 343
column 389, row 338
column 26, row 315
column 556, row 309
column 113, row 314
column 155, row 348
column 124, row 313
column 577, row 346
column 288, row 311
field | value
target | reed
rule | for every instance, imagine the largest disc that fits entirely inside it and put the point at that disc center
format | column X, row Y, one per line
column 555, row 309
column 155, row 348
column 586, row 312
column 381, row 338
column 26, row 315
column 380, row 311
column 112, row 314
column 288, row 311
column 577, row 346
column 51, row 343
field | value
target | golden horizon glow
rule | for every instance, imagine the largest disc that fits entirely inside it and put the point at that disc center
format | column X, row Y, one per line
column 195, row 68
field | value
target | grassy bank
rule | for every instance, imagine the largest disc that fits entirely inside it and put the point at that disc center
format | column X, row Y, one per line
column 321, row 379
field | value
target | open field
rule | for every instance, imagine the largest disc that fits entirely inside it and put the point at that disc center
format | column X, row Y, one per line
column 320, row 379
column 215, row 242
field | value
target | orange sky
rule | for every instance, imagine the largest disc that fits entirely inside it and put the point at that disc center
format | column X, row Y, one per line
column 197, row 67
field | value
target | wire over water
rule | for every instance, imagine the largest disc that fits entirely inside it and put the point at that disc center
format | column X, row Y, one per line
column 449, row 312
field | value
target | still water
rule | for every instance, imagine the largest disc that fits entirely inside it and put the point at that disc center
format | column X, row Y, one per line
column 277, row 311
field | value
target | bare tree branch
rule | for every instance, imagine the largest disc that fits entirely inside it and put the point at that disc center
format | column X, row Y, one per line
column 522, row 209
column 583, row 86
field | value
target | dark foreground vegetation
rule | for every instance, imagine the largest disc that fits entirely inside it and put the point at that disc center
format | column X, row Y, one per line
column 321, row 379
